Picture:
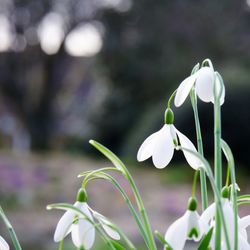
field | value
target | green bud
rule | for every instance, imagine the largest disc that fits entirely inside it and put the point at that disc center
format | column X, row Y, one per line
column 225, row 192
column 192, row 204
column 82, row 195
column 169, row 116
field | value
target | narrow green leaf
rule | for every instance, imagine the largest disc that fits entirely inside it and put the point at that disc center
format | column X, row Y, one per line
column 204, row 245
column 110, row 155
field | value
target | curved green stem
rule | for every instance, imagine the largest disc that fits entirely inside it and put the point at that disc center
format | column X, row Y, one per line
column 126, row 198
column 11, row 230
column 171, row 98
column 120, row 165
column 204, row 195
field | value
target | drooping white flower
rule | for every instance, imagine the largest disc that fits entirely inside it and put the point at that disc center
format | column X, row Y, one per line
column 203, row 81
column 188, row 227
column 3, row 244
column 207, row 219
column 161, row 144
column 82, row 230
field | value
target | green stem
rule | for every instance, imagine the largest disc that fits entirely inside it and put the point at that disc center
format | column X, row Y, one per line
column 171, row 98
column 217, row 160
column 215, row 190
column 204, row 195
column 228, row 176
column 11, row 230
column 231, row 171
column 126, row 198
column 61, row 245
column 142, row 210
column 194, row 183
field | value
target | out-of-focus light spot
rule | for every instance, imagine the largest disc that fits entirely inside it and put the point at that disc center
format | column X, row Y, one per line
column 85, row 40
column 51, row 33
column 19, row 43
column 31, row 36
column 119, row 5
column 248, row 3
column 6, row 36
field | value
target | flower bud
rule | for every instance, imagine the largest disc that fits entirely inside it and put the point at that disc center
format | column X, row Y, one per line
column 169, row 116
column 82, row 195
column 225, row 192
column 192, row 204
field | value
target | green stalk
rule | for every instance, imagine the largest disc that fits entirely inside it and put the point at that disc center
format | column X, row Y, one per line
column 204, row 196
column 215, row 190
column 142, row 210
column 126, row 198
column 217, row 159
column 231, row 166
column 12, row 233
column 61, row 245
column 120, row 165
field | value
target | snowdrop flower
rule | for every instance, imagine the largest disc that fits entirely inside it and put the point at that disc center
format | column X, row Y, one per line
column 203, row 81
column 161, row 144
column 207, row 219
column 188, row 227
column 82, row 230
column 3, row 244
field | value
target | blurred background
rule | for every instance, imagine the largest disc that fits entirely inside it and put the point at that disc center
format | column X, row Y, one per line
column 72, row 70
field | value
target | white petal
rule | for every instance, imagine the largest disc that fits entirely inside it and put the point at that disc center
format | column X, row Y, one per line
column 205, row 84
column 106, row 224
column 193, row 222
column 176, row 234
column 207, row 216
column 64, row 226
column 3, row 244
column 222, row 98
column 192, row 160
column 229, row 219
column 164, row 148
column 243, row 244
column 244, row 222
column 184, row 89
column 146, row 149
column 83, row 234
column 111, row 232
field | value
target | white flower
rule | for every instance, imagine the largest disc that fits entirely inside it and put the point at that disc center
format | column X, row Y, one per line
column 82, row 231
column 207, row 219
column 160, row 145
column 187, row 227
column 203, row 80
column 3, row 244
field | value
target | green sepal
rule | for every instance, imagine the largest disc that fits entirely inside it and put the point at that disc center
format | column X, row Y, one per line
column 192, row 204
column 82, row 195
column 169, row 116
column 204, row 245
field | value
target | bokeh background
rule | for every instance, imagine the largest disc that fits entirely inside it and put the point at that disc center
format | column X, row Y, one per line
column 72, row 70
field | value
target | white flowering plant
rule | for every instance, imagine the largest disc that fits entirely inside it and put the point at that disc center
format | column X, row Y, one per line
column 218, row 227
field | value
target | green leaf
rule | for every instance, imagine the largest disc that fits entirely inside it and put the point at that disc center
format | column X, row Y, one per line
column 204, row 245
column 110, row 155
column 117, row 245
